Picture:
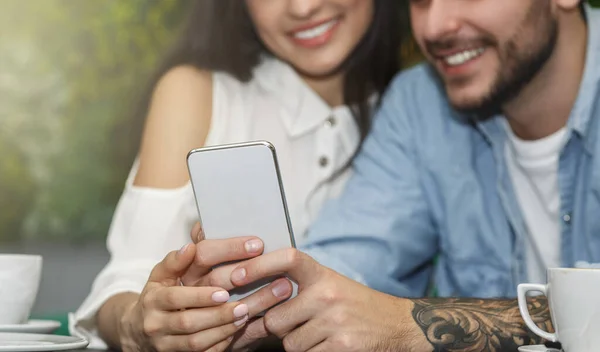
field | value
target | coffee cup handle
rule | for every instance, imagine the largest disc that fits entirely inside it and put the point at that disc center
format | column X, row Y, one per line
column 522, row 290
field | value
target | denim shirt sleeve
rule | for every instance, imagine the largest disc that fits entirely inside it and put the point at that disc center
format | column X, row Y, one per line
column 379, row 231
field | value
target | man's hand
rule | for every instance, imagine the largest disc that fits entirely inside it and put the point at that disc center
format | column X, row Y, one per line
column 332, row 312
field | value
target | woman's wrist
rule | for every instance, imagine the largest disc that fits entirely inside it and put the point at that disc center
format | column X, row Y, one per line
column 115, row 321
column 130, row 329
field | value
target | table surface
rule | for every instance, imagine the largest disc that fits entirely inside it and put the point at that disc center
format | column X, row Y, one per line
column 95, row 350
column 269, row 346
column 273, row 349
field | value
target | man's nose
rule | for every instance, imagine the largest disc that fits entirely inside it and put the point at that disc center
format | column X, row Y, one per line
column 442, row 20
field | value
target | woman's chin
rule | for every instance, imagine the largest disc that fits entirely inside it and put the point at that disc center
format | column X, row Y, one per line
column 316, row 70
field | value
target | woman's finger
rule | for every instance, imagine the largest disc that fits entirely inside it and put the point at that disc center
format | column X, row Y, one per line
column 180, row 297
column 176, row 263
column 197, row 233
column 199, row 341
column 211, row 253
column 191, row 321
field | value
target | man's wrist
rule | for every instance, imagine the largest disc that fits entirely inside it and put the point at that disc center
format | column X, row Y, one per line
column 475, row 324
column 408, row 336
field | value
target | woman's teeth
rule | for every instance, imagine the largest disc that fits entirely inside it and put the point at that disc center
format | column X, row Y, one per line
column 463, row 57
column 315, row 31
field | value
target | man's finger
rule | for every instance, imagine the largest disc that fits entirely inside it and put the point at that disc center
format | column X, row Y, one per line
column 173, row 266
column 268, row 296
column 218, row 277
column 283, row 319
column 201, row 340
column 210, row 253
column 290, row 262
column 324, row 346
column 261, row 300
column 252, row 333
column 307, row 336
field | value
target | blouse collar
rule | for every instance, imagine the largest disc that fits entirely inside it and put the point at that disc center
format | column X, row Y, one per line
column 305, row 109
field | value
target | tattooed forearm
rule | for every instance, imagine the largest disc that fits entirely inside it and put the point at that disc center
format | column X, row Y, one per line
column 478, row 325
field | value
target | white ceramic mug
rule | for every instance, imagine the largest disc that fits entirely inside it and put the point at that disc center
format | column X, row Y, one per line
column 19, row 283
column 574, row 302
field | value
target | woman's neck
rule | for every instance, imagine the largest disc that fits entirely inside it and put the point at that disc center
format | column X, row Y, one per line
column 330, row 89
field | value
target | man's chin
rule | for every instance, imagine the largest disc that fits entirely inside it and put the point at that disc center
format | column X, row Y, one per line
column 476, row 106
column 479, row 109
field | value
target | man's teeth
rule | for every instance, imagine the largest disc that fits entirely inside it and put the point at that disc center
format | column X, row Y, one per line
column 316, row 31
column 463, row 57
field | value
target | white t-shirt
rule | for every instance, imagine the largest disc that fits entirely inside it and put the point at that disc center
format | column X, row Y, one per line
column 533, row 167
column 312, row 141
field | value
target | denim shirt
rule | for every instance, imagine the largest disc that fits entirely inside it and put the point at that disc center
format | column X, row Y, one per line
column 428, row 183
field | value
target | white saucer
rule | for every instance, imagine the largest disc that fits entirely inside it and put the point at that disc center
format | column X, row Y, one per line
column 537, row 348
column 18, row 342
column 32, row 326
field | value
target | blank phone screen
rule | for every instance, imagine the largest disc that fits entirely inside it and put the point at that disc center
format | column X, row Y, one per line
column 239, row 192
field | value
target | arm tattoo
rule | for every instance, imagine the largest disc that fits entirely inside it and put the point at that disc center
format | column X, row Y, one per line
column 458, row 324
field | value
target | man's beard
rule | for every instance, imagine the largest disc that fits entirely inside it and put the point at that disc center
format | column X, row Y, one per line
column 518, row 67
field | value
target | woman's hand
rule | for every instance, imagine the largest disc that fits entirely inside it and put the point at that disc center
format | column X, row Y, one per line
column 212, row 252
column 171, row 317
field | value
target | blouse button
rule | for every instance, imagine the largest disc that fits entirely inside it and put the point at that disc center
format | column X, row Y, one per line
column 323, row 161
column 330, row 122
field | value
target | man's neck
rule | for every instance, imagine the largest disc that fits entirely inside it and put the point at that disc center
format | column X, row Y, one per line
column 544, row 105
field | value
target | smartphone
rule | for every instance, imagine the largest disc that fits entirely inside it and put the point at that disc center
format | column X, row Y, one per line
column 239, row 192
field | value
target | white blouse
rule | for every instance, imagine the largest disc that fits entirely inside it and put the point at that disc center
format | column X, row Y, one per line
column 312, row 142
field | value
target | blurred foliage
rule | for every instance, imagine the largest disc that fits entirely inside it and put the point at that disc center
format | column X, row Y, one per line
column 70, row 73
column 17, row 189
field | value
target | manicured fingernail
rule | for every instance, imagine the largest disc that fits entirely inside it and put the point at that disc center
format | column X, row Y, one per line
column 241, row 321
column 183, row 249
column 240, row 311
column 220, row 296
column 253, row 246
column 281, row 289
column 238, row 274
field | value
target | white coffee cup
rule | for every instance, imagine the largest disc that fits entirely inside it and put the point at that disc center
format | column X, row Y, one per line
column 19, row 283
column 574, row 302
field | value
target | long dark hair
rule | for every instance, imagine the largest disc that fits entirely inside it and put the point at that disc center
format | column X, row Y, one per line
column 219, row 36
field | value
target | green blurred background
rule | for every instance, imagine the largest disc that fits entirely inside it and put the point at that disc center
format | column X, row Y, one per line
column 71, row 72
